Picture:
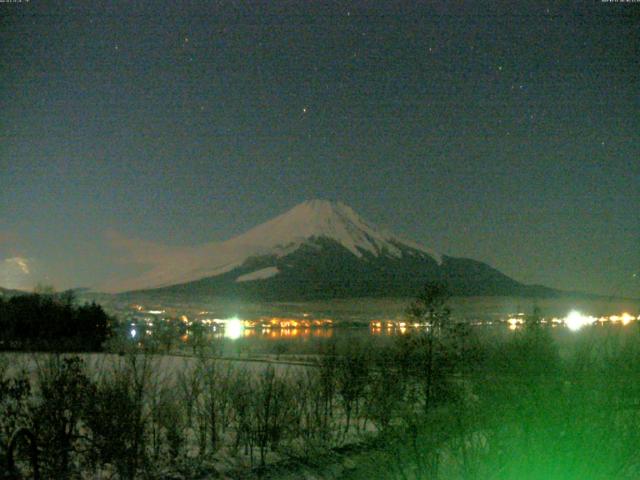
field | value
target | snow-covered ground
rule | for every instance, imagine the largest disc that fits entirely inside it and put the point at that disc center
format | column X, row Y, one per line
column 167, row 366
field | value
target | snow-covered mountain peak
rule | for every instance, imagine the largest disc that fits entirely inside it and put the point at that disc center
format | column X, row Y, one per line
column 283, row 234
column 317, row 218
column 323, row 218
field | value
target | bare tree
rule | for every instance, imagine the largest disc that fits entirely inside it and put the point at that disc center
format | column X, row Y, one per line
column 64, row 388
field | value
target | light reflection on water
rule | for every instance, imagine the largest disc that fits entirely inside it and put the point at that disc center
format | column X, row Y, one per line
column 376, row 329
column 275, row 329
column 281, row 333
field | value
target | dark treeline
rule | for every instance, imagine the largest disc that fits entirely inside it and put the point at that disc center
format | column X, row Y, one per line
column 51, row 322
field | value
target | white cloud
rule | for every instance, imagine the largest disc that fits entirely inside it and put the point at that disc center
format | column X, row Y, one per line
column 136, row 251
column 15, row 272
column 21, row 263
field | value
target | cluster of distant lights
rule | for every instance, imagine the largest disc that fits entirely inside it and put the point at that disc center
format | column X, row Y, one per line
column 234, row 328
column 391, row 326
column 575, row 320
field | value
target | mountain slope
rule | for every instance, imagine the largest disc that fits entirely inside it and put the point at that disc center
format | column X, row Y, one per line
column 279, row 236
column 320, row 249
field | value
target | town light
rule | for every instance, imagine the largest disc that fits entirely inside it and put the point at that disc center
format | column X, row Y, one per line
column 233, row 328
column 575, row 320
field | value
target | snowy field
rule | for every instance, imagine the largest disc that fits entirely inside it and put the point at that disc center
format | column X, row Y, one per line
column 162, row 366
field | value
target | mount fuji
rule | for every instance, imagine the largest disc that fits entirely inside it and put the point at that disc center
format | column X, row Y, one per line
column 318, row 249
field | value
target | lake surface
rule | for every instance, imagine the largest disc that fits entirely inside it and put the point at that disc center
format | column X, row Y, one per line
column 368, row 309
column 255, row 325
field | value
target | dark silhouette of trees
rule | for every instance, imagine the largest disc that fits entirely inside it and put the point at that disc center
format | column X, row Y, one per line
column 64, row 388
column 115, row 416
column 427, row 355
column 352, row 378
column 27, row 435
column 52, row 322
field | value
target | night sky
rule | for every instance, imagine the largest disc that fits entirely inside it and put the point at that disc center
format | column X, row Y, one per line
column 508, row 132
